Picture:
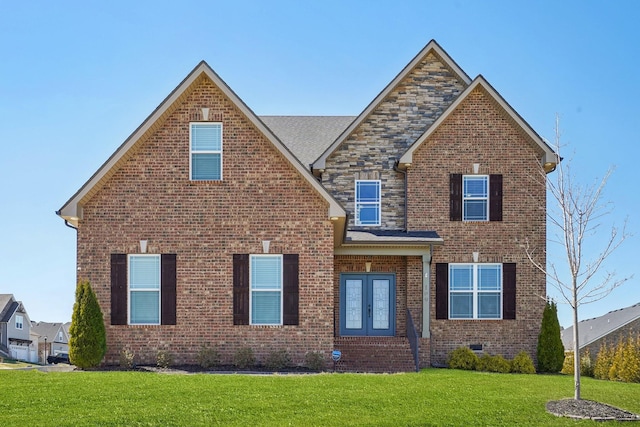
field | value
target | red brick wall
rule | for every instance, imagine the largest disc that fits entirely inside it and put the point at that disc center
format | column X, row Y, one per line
column 261, row 197
column 478, row 131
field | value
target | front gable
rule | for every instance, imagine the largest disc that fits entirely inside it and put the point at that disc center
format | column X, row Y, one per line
column 368, row 150
column 171, row 119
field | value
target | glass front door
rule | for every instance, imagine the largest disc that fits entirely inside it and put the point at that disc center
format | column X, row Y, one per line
column 367, row 304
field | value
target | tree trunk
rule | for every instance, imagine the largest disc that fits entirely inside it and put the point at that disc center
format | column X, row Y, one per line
column 576, row 344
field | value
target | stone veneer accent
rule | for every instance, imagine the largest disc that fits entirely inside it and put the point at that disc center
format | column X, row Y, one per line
column 371, row 151
column 479, row 131
column 261, row 197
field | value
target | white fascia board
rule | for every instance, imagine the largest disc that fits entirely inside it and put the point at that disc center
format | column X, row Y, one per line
column 320, row 163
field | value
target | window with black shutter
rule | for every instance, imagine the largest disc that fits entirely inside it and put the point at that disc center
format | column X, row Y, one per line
column 475, row 197
column 132, row 293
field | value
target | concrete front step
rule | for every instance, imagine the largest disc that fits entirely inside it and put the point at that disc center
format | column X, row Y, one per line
column 374, row 354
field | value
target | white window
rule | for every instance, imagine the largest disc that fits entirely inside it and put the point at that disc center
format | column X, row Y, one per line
column 475, row 291
column 60, row 337
column 144, row 289
column 266, row 289
column 367, row 202
column 475, row 198
column 19, row 322
column 206, row 151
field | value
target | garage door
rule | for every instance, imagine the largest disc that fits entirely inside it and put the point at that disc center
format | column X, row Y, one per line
column 19, row 353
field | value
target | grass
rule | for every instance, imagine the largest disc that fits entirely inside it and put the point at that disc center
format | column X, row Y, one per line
column 14, row 364
column 431, row 397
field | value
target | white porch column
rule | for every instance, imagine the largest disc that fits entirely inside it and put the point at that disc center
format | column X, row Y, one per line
column 426, row 263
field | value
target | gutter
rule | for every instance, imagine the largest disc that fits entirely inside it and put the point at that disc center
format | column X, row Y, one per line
column 66, row 222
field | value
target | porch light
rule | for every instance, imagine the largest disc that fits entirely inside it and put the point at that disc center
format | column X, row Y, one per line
column 143, row 246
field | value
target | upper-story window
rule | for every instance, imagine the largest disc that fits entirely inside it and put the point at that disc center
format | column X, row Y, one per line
column 206, row 151
column 144, row 289
column 19, row 322
column 367, row 199
column 475, row 198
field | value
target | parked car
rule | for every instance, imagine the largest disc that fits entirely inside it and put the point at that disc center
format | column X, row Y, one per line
column 58, row 358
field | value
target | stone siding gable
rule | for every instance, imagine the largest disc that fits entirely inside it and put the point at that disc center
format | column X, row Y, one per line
column 374, row 147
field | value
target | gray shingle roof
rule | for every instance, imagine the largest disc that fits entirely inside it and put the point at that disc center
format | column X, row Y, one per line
column 307, row 137
column 8, row 306
column 392, row 236
column 46, row 329
column 591, row 330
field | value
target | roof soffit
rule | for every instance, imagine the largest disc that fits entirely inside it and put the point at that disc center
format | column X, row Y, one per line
column 481, row 83
column 72, row 209
column 431, row 47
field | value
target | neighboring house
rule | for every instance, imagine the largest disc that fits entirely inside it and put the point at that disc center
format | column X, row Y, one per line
column 15, row 330
column 53, row 338
column 610, row 329
column 395, row 236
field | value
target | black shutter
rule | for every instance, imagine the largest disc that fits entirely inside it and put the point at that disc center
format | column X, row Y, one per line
column 495, row 197
column 442, row 291
column 168, row 289
column 119, row 289
column 509, row 290
column 290, row 289
column 455, row 197
column 240, row 289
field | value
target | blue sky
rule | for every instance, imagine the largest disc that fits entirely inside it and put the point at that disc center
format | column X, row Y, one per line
column 77, row 78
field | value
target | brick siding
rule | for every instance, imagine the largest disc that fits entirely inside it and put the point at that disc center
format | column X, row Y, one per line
column 480, row 132
column 261, row 197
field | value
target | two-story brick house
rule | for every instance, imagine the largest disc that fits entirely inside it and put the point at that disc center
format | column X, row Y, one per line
column 211, row 224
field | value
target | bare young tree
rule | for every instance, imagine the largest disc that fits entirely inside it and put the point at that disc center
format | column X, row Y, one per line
column 575, row 217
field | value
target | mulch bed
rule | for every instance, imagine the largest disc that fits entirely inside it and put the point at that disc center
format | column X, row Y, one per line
column 588, row 409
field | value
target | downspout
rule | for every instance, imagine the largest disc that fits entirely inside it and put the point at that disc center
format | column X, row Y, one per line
column 397, row 169
column 426, row 276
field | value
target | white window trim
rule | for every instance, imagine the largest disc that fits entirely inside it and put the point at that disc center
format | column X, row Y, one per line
column 129, row 290
column 377, row 204
column 191, row 151
column 20, row 322
column 475, row 291
column 280, row 289
column 465, row 198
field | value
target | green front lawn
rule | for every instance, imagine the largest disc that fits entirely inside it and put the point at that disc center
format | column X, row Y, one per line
column 431, row 397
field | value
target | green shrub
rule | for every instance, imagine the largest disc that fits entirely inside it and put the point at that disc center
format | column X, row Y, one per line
column 497, row 363
column 127, row 359
column 164, row 359
column 603, row 362
column 550, row 350
column 462, row 358
column 244, row 358
column 586, row 363
column 315, row 361
column 207, row 357
column 626, row 361
column 277, row 360
column 88, row 339
column 522, row 364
